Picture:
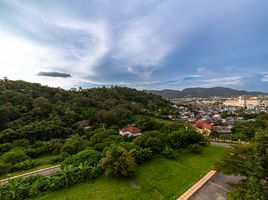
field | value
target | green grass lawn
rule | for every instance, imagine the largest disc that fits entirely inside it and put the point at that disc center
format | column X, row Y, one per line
column 158, row 179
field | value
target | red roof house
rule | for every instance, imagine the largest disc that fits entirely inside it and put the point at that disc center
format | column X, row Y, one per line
column 84, row 123
column 130, row 131
column 208, row 126
column 201, row 124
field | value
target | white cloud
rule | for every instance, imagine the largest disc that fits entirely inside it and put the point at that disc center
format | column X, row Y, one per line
column 201, row 69
column 19, row 58
column 221, row 81
column 265, row 78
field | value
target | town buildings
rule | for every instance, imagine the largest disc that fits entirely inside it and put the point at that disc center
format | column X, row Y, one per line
column 217, row 114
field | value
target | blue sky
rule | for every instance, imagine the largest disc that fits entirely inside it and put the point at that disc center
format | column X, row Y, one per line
column 147, row 44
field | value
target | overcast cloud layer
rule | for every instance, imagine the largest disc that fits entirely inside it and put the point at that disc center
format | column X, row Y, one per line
column 153, row 44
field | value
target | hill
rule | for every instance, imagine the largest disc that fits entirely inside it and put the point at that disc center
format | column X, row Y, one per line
column 203, row 92
column 22, row 103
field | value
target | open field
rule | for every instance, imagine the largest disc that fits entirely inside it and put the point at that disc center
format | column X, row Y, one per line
column 158, row 179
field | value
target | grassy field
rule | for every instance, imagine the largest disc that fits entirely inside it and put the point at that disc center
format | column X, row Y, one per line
column 158, row 179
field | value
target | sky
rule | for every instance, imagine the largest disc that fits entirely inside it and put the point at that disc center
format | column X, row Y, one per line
column 146, row 44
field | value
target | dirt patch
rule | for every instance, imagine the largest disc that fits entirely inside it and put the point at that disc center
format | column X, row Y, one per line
column 135, row 185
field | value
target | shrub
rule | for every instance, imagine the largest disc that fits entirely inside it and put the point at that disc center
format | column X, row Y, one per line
column 74, row 145
column 14, row 156
column 24, row 165
column 5, row 168
column 168, row 152
column 60, row 158
column 142, row 154
column 194, row 148
column 89, row 156
column 5, row 147
column 21, row 143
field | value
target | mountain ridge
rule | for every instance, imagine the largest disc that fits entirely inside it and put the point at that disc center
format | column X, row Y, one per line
column 200, row 92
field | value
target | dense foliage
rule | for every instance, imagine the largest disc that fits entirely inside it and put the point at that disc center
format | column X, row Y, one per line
column 251, row 161
column 36, row 120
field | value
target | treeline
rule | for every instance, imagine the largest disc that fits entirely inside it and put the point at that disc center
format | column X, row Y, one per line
column 247, row 130
column 23, row 103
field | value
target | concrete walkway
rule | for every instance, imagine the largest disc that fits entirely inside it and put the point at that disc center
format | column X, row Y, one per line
column 44, row 172
column 217, row 187
column 190, row 192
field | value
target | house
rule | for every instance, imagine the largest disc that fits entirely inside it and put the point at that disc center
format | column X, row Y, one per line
column 130, row 131
column 203, row 127
column 85, row 124
column 199, row 123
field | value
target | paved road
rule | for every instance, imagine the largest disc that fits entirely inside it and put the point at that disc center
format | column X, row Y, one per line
column 44, row 172
column 224, row 144
column 216, row 188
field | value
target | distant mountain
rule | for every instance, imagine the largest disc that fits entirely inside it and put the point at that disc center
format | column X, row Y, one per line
column 203, row 92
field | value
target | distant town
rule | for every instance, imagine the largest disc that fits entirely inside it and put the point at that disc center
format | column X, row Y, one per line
column 217, row 115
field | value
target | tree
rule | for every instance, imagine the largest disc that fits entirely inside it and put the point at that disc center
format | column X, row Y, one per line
column 118, row 161
column 250, row 161
column 74, row 145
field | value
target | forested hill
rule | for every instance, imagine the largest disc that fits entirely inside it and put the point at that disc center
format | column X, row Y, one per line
column 26, row 105
column 202, row 92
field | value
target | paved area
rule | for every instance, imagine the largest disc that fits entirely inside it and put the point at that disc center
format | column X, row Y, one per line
column 197, row 186
column 223, row 144
column 216, row 188
column 44, row 172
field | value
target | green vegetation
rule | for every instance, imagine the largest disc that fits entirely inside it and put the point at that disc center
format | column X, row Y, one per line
column 38, row 120
column 81, row 130
column 159, row 178
column 251, row 161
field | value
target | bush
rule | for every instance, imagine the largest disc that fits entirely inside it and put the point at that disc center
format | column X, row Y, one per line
column 5, row 147
column 88, row 156
column 194, row 148
column 74, row 145
column 168, row 152
column 24, row 165
column 14, row 156
column 142, row 154
column 21, row 143
column 34, row 152
column 60, row 158
column 5, row 168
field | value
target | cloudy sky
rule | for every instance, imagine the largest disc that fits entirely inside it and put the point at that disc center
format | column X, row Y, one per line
column 153, row 44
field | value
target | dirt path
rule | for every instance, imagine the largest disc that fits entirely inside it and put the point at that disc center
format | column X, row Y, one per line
column 44, row 172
